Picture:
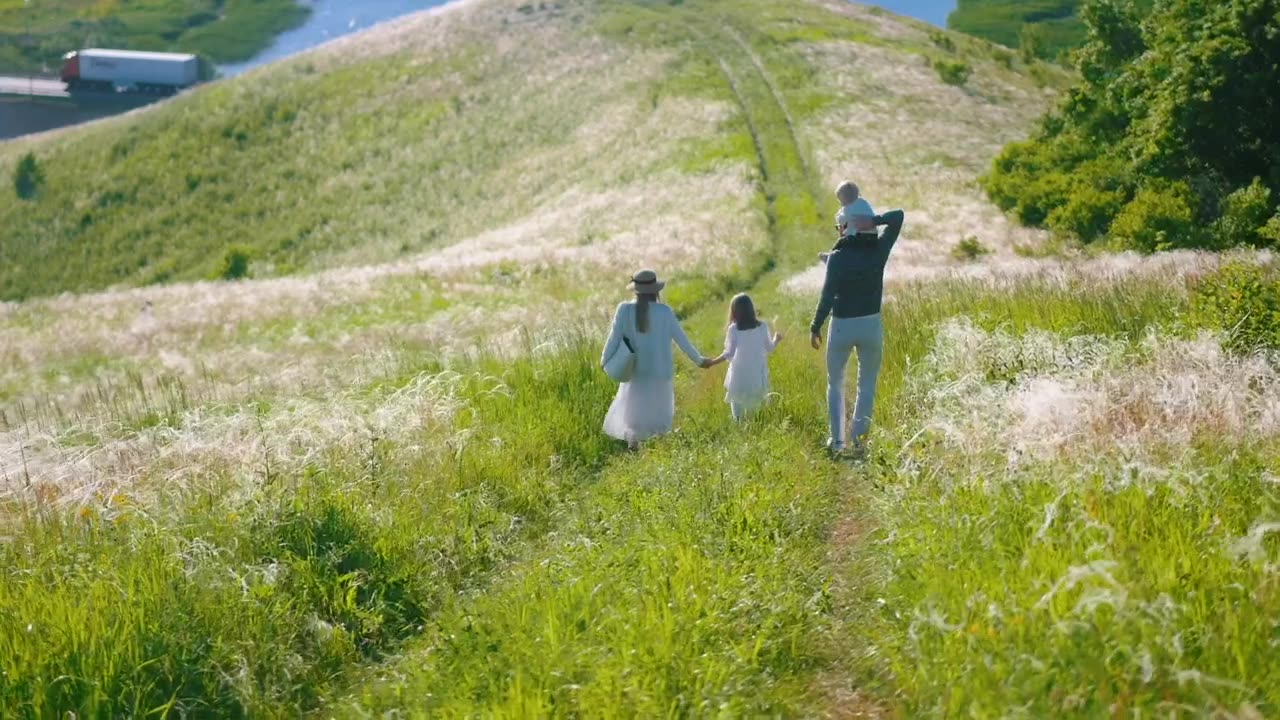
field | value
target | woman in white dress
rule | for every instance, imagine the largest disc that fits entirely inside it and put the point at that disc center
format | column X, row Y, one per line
column 645, row 405
column 747, row 345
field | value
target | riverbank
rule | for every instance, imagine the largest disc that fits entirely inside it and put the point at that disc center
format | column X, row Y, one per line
column 33, row 36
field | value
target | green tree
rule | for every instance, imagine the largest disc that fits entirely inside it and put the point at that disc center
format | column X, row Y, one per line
column 1184, row 94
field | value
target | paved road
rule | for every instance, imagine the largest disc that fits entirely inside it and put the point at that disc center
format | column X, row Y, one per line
column 23, row 86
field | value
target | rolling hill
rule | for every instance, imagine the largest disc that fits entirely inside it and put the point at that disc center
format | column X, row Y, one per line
column 370, row 477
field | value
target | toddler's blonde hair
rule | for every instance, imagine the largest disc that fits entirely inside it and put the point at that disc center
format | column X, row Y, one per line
column 847, row 192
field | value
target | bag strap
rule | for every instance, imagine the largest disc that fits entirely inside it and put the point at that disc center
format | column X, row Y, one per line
column 634, row 327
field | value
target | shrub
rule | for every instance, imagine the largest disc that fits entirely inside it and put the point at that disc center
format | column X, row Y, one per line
column 1031, row 42
column 235, row 263
column 1242, row 299
column 943, row 41
column 28, row 177
column 1002, row 57
column 1030, row 177
column 1270, row 233
column 1087, row 212
column 1004, row 181
column 953, row 72
column 1158, row 218
column 969, row 249
column 1041, row 196
column 1244, row 216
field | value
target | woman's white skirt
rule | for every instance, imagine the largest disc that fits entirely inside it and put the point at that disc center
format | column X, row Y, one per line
column 641, row 409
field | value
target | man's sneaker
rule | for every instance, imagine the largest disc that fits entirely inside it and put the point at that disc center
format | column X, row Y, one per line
column 858, row 447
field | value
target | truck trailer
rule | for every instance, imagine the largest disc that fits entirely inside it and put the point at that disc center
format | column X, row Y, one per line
column 149, row 73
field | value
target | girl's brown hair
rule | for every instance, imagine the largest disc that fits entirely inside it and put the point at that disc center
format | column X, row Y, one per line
column 642, row 310
column 742, row 312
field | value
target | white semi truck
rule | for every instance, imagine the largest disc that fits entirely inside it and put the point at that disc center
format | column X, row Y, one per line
column 131, row 71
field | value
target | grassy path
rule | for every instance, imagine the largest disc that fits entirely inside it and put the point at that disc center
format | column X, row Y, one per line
column 688, row 578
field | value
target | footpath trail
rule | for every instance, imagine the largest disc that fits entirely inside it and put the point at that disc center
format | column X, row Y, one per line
column 691, row 577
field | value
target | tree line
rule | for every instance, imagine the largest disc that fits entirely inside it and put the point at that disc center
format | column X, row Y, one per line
column 1169, row 139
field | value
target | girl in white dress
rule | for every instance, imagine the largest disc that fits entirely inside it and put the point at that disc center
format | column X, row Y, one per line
column 747, row 345
column 645, row 405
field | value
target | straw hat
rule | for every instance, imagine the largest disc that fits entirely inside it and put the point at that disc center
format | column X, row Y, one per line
column 646, row 282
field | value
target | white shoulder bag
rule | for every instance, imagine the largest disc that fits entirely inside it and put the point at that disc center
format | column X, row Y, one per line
column 622, row 363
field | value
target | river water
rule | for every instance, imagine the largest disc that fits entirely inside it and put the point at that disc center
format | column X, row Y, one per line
column 329, row 19
column 930, row 11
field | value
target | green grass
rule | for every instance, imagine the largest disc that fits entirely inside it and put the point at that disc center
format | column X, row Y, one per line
column 503, row 558
column 690, row 579
column 960, row 604
column 1002, row 21
column 1055, row 24
column 1177, row 619
column 692, row 588
column 300, row 565
column 35, row 35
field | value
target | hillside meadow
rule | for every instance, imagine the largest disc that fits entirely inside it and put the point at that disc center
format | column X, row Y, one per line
column 370, row 479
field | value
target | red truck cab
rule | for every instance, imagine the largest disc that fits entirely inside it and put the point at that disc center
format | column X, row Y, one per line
column 71, row 68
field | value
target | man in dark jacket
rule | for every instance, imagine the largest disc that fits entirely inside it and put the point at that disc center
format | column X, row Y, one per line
column 851, row 294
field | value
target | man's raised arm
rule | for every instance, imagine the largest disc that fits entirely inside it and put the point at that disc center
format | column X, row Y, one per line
column 892, row 221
